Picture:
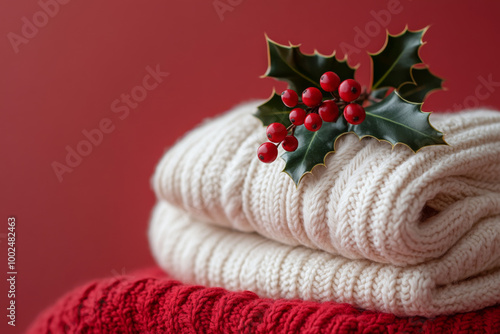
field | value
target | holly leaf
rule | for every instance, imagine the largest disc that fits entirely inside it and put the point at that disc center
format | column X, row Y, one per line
column 398, row 121
column 396, row 83
column 392, row 64
column 313, row 148
column 300, row 70
column 273, row 111
column 425, row 83
column 379, row 93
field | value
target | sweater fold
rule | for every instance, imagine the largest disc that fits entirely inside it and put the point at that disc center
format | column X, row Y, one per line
column 199, row 253
column 379, row 227
column 371, row 201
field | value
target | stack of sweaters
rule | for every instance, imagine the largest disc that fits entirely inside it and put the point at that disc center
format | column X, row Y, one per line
column 380, row 239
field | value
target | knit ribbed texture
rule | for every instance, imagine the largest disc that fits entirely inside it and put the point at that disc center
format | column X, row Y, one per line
column 465, row 279
column 381, row 229
column 149, row 303
column 369, row 202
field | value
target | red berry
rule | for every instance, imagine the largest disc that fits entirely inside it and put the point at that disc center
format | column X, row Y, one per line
column 289, row 98
column 290, row 143
column 297, row 116
column 329, row 81
column 312, row 96
column 313, row 122
column 328, row 111
column 276, row 132
column 267, row 152
column 349, row 90
column 354, row 113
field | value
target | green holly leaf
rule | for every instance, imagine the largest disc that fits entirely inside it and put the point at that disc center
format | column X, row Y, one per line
column 380, row 93
column 397, row 92
column 313, row 148
column 425, row 83
column 392, row 64
column 273, row 111
column 398, row 121
column 300, row 70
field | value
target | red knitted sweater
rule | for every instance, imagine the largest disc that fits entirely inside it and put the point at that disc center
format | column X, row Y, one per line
column 149, row 302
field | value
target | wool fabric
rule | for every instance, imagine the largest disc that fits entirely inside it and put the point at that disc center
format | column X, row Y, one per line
column 465, row 279
column 150, row 302
column 371, row 201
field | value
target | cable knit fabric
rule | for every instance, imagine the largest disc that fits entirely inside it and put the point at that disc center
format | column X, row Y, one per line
column 465, row 279
column 382, row 229
column 149, row 302
column 370, row 201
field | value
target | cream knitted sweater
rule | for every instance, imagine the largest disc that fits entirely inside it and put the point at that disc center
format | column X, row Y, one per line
column 467, row 278
column 414, row 221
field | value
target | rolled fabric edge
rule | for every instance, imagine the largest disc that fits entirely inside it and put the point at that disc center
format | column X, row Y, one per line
column 367, row 203
column 200, row 253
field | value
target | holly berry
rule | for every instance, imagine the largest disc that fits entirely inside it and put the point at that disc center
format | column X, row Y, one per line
column 297, row 116
column 329, row 81
column 312, row 97
column 313, row 122
column 267, row 152
column 349, row 90
column 289, row 98
column 354, row 113
column 276, row 132
column 328, row 111
column 290, row 143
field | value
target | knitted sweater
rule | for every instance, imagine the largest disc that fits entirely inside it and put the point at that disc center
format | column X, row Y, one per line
column 200, row 253
column 378, row 228
column 381, row 228
column 369, row 202
column 150, row 302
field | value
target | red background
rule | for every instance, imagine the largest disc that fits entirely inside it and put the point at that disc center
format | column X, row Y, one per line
column 63, row 80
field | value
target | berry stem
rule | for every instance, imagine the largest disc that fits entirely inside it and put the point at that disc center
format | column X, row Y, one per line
column 335, row 96
column 291, row 129
column 363, row 97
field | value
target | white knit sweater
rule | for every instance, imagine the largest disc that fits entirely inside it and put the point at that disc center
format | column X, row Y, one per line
column 367, row 203
column 466, row 278
column 357, row 230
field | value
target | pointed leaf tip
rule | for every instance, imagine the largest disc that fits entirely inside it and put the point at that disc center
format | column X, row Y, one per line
column 398, row 121
column 392, row 64
column 425, row 83
column 273, row 111
column 313, row 148
column 299, row 70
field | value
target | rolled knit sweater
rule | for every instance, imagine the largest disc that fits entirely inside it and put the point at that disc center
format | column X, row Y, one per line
column 369, row 202
column 380, row 228
column 149, row 302
column 200, row 253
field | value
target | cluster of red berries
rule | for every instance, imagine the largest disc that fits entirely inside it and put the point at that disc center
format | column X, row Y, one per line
column 317, row 111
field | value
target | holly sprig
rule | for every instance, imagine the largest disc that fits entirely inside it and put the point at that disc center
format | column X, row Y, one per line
column 333, row 103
